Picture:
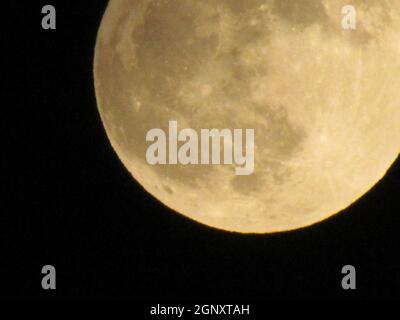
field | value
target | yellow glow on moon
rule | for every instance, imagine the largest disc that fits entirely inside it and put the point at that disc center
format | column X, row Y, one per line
column 324, row 101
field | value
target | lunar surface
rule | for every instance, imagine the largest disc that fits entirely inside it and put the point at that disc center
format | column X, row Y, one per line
column 324, row 102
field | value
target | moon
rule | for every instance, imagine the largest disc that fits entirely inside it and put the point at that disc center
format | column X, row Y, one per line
column 324, row 102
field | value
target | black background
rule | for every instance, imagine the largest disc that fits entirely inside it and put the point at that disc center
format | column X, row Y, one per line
column 68, row 201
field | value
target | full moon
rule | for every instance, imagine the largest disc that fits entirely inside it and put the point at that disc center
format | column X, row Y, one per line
column 323, row 100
